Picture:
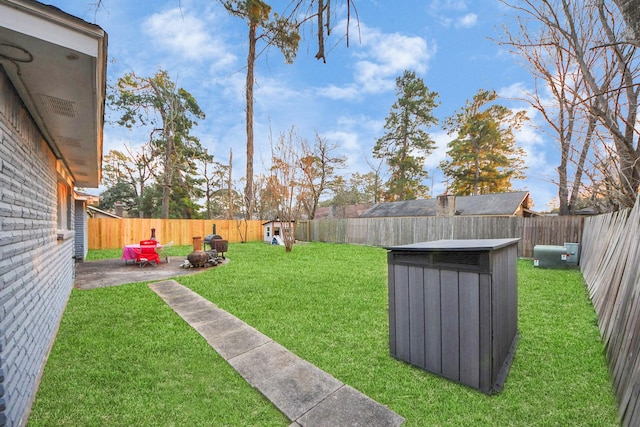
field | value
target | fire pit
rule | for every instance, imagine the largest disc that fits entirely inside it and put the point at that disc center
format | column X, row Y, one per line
column 207, row 258
column 198, row 257
column 216, row 242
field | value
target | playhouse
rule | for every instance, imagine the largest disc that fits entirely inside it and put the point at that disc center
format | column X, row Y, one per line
column 274, row 231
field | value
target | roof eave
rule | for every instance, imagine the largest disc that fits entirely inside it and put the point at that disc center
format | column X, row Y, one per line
column 65, row 62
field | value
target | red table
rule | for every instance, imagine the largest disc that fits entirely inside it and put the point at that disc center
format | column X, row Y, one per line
column 129, row 251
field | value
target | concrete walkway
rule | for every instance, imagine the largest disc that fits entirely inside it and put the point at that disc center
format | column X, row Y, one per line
column 305, row 394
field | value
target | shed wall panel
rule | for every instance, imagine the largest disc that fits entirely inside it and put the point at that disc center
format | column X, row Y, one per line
column 450, row 325
column 432, row 316
column 485, row 325
column 392, row 308
column 401, row 291
column 470, row 329
column 416, row 316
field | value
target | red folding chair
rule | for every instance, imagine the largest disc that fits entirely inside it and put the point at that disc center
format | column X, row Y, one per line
column 147, row 253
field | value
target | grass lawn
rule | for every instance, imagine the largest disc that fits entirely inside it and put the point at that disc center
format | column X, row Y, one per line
column 123, row 358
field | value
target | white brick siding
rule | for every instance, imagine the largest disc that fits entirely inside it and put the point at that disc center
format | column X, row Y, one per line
column 36, row 268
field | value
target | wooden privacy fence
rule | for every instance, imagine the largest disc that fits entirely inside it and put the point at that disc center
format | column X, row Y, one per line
column 610, row 264
column 400, row 231
column 112, row 233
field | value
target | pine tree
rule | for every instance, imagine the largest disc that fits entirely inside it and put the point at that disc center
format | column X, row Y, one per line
column 171, row 113
column 484, row 155
column 406, row 142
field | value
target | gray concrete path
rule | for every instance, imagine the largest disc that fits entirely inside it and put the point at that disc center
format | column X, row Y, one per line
column 305, row 394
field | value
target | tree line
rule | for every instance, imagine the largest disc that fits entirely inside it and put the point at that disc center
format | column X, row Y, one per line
column 172, row 175
column 586, row 74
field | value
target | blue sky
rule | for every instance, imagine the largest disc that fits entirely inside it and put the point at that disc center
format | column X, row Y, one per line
column 446, row 42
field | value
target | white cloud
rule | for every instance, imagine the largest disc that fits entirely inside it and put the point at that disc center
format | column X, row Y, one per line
column 181, row 33
column 440, row 5
column 347, row 141
column 361, row 122
column 354, row 135
column 386, row 56
column 349, row 92
column 447, row 13
column 514, row 91
column 467, row 21
column 274, row 91
column 381, row 58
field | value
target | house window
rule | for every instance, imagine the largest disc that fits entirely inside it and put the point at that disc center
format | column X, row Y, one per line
column 268, row 231
column 64, row 206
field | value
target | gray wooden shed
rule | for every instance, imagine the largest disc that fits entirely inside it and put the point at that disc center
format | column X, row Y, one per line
column 453, row 308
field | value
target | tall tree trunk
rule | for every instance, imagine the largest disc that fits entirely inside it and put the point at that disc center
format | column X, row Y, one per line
column 575, row 192
column 229, row 187
column 166, row 182
column 566, row 140
column 140, row 202
column 168, row 129
column 251, row 59
column 207, row 192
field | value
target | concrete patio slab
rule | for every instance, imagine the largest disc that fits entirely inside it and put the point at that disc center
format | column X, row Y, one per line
column 263, row 362
column 178, row 300
column 199, row 314
column 238, row 342
column 223, row 324
column 298, row 388
column 91, row 274
column 308, row 396
column 349, row 407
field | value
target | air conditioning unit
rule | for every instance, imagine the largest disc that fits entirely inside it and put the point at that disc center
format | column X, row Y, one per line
column 548, row 256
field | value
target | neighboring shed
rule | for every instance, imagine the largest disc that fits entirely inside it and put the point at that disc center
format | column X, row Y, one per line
column 94, row 212
column 274, row 230
column 500, row 204
column 52, row 93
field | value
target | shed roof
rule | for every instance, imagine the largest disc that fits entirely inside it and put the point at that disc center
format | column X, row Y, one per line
column 94, row 210
column 498, row 204
column 276, row 221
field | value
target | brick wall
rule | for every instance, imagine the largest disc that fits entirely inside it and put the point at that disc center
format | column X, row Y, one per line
column 36, row 256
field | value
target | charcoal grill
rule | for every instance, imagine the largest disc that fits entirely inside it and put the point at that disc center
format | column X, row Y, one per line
column 216, row 242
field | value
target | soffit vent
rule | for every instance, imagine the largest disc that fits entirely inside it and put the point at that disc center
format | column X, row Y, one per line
column 78, row 162
column 70, row 142
column 58, row 106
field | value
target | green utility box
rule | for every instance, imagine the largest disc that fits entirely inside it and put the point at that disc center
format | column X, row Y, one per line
column 548, row 256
